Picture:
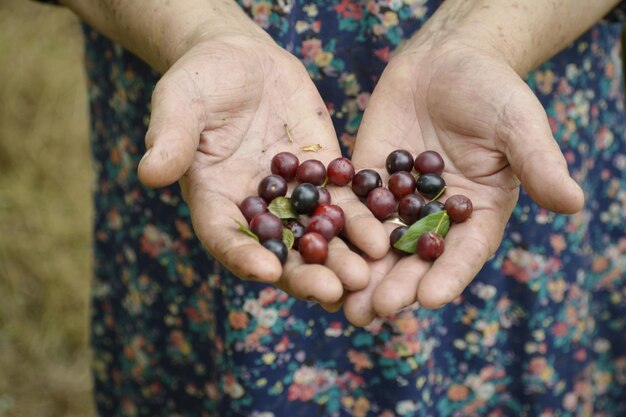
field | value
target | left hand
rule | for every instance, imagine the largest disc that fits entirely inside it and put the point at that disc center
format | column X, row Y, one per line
column 468, row 104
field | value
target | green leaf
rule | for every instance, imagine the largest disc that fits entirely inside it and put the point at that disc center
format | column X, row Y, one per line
column 281, row 208
column 288, row 238
column 437, row 222
column 247, row 231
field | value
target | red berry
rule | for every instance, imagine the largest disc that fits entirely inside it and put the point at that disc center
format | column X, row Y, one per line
column 334, row 213
column 285, row 164
column 430, row 246
column 267, row 226
column 322, row 225
column 340, row 171
column 401, row 183
column 381, row 203
column 313, row 248
column 311, row 171
column 365, row 181
column 409, row 208
column 271, row 187
column 324, row 196
column 429, row 162
column 251, row 206
column 459, row 208
column 399, row 160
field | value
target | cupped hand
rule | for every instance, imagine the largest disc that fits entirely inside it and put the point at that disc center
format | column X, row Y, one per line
column 219, row 115
column 469, row 105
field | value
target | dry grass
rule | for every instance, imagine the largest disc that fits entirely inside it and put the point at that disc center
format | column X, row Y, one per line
column 45, row 214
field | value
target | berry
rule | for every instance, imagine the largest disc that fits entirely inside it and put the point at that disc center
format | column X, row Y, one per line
column 313, row 248
column 285, row 164
column 278, row 248
column 459, row 208
column 365, row 181
column 399, row 160
column 340, row 171
column 429, row 162
column 304, row 198
column 430, row 208
column 401, row 183
column 430, row 246
column 266, row 226
column 409, row 208
column 297, row 229
column 430, row 185
column 311, row 171
column 322, row 225
column 251, row 206
column 381, row 203
column 397, row 233
column 324, row 196
column 271, row 187
column 334, row 213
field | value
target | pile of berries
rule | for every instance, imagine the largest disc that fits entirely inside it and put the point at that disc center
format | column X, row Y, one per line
column 307, row 220
column 400, row 197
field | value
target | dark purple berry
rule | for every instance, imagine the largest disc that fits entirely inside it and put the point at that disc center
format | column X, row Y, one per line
column 322, row 225
column 397, row 233
column 285, row 164
column 381, row 203
column 430, row 208
column 340, row 171
column 311, row 171
column 267, row 226
column 459, row 208
column 334, row 213
column 429, row 162
column 409, row 208
column 401, row 183
column 251, row 206
column 365, row 181
column 278, row 248
column 399, row 160
column 297, row 229
column 430, row 185
column 313, row 248
column 271, row 187
column 430, row 246
column 304, row 198
column 324, row 196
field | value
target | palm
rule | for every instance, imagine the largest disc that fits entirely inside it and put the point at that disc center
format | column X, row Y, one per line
column 471, row 109
column 242, row 101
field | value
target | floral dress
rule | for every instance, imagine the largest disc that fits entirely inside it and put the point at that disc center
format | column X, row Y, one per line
column 540, row 331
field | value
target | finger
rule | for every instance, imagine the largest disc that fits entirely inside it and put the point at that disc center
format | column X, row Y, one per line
column 350, row 268
column 334, row 307
column 468, row 246
column 173, row 134
column 362, row 229
column 213, row 221
column 309, row 281
column 524, row 136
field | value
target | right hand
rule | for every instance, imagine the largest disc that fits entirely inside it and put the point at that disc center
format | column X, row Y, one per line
column 218, row 117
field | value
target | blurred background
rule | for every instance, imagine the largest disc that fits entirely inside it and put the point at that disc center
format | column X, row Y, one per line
column 45, row 214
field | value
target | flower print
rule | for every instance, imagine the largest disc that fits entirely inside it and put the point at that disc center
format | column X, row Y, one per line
column 361, row 407
column 323, row 58
column 311, row 47
column 300, row 392
column 349, row 9
column 458, row 392
column 232, row 387
column 268, row 295
column 560, row 329
column 252, row 306
column 267, row 317
column 406, row 407
column 238, row 319
column 390, row 18
column 570, row 401
column 153, row 241
column 302, row 26
column 360, row 360
column 556, row 289
column 304, row 375
column 407, row 324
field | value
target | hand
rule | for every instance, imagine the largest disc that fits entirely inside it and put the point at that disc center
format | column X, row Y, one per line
column 470, row 106
column 218, row 117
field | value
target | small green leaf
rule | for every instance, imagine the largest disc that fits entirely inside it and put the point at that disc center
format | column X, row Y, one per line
column 437, row 222
column 288, row 238
column 247, row 231
column 281, row 208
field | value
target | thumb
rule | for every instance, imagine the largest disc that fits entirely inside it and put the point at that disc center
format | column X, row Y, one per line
column 523, row 134
column 173, row 135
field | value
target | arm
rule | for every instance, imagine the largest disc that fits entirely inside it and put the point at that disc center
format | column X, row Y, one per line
column 456, row 87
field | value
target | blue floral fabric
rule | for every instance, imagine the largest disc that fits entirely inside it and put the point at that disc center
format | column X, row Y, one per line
column 540, row 332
